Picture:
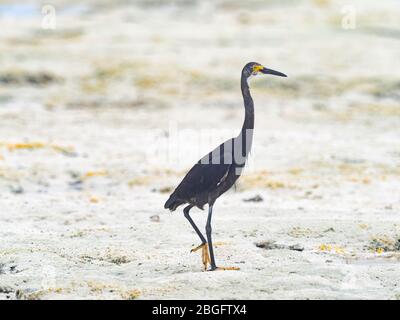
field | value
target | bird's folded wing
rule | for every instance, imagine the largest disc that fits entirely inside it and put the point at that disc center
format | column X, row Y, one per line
column 202, row 178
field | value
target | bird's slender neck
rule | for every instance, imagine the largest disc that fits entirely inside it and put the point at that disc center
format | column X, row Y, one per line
column 248, row 105
column 245, row 137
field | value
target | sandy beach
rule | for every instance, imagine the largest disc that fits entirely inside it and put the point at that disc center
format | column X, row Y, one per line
column 101, row 117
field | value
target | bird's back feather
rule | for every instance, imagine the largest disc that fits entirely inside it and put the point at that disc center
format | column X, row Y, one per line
column 203, row 178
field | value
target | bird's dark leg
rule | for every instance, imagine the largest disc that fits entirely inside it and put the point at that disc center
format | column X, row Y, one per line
column 203, row 245
column 210, row 246
column 208, row 233
column 187, row 216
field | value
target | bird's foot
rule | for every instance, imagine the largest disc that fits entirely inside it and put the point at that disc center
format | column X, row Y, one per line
column 201, row 246
column 224, row 269
column 227, row 268
column 205, row 257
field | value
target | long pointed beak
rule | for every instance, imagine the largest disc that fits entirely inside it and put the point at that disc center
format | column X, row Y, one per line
column 273, row 72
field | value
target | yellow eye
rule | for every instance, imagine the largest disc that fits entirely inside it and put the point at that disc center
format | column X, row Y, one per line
column 257, row 68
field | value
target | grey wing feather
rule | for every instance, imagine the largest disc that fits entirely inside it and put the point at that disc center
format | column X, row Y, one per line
column 206, row 174
column 201, row 178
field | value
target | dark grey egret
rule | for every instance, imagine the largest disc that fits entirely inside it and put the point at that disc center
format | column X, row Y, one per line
column 218, row 171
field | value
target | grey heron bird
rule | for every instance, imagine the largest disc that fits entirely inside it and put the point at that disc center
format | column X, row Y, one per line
column 218, row 171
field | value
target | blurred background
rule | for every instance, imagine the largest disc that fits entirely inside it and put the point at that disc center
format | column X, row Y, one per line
column 104, row 105
column 113, row 79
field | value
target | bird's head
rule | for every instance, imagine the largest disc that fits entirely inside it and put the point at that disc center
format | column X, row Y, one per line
column 253, row 68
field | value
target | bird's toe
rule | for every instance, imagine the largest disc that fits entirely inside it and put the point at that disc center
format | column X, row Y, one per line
column 201, row 246
column 225, row 269
column 205, row 257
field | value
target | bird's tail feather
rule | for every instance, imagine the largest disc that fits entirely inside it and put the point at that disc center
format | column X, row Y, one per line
column 172, row 203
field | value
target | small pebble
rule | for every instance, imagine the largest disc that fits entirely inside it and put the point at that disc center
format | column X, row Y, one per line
column 270, row 245
column 16, row 189
column 256, row 198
